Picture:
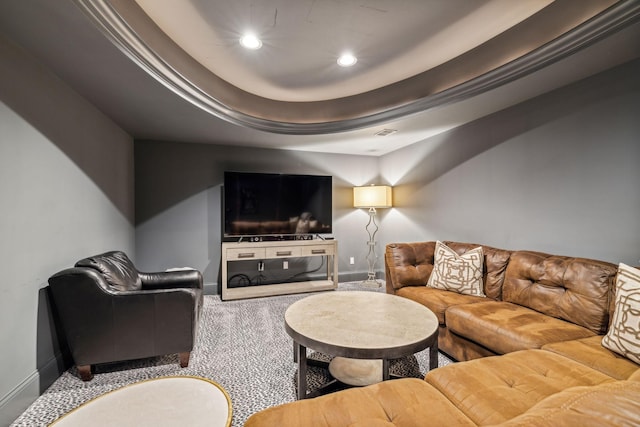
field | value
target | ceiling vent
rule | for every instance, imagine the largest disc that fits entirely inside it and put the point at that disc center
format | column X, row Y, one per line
column 386, row 132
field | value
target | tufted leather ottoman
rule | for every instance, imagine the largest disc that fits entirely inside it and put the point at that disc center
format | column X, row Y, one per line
column 409, row 402
column 515, row 381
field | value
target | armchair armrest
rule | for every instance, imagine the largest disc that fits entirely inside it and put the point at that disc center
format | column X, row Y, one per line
column 172, row 279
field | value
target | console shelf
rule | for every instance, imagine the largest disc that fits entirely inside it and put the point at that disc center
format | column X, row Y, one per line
column 246, row 251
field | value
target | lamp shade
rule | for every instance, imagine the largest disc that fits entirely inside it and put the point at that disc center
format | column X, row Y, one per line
column 372, row 196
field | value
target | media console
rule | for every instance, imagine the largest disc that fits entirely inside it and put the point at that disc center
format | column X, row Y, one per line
column 247, row 251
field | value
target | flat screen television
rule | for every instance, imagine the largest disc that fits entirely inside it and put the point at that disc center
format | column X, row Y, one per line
column 264, row 204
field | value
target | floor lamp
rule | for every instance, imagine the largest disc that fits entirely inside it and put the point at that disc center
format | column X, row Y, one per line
column 372, row 197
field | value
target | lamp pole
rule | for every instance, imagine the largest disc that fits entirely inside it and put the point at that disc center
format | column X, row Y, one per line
column 372, row 197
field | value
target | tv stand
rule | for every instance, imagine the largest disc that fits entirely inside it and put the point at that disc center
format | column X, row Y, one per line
column 246, row 251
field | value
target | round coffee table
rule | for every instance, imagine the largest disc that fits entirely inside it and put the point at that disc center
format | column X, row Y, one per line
column 359, row 325
column 165, row 401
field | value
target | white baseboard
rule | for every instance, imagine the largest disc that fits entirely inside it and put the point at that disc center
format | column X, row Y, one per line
column 211, row 288
column 19, row 399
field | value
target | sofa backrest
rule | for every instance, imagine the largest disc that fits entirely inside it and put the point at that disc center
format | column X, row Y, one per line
column 411, row 264
column 573, row 289
column 116, row 268
column 408, row 264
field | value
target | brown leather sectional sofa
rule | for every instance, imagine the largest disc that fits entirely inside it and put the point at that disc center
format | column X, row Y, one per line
column 532, row 299
column 531, row 349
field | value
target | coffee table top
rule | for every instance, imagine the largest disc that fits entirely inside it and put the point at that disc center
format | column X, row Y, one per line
column 361, row 325
column 166, row 401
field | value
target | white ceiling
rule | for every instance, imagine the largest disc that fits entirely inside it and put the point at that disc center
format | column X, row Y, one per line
column 302, row 39
column 393, row 40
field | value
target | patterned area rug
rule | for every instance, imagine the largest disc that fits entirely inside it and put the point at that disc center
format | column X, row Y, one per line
column 241, row 345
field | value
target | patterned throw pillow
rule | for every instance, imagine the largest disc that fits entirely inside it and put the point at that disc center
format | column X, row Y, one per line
column 624, row 334
column 457, row 273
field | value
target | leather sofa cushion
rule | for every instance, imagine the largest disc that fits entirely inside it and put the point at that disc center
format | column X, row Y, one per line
column 610, row 404
column 460, row 348
column 503, row 327
column 495, row 389
column 573, row 289
column 116, row 268
column 437, row 300
column 590, row 352
column 409, row 402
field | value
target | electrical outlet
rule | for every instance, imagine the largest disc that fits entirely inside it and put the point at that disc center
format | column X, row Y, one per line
column 285, row 265
column 352, row 260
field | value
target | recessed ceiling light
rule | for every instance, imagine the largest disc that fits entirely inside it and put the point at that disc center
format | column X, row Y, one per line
column 250, row 41
column 347, row 60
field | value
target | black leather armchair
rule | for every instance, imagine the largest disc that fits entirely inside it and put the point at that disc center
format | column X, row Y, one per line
column 112, row 312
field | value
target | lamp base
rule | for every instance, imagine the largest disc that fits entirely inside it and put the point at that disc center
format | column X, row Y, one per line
column 371, row 283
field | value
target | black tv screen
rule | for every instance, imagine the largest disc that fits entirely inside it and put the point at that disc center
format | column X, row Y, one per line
column 262, row 204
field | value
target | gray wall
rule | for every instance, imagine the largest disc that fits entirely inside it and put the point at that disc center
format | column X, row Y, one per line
column 557, row 174
column 66, row 191
column 178, row 201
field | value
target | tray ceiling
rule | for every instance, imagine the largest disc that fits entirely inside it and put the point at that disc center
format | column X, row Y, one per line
column 171, row 70
column 415, row 54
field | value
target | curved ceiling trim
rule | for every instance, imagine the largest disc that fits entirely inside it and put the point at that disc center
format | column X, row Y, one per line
column 129, row 29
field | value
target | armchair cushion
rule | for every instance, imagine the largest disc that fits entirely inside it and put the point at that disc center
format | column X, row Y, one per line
column 116, row 268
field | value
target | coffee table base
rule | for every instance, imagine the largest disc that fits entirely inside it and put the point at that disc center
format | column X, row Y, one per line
column 347, row 372
column 356, row 372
